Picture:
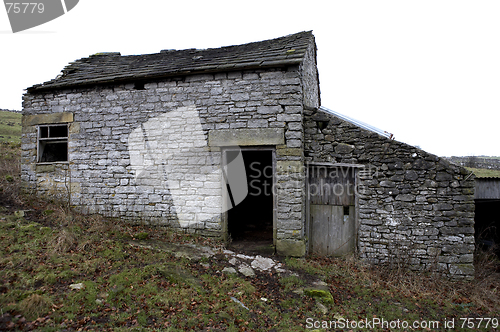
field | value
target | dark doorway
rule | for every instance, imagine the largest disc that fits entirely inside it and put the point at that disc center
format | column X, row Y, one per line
column 251, row 221
column 486, row 223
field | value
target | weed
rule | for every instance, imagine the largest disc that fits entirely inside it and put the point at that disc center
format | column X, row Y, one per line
column 63, row 241
column 35, row 306
column 291, row 283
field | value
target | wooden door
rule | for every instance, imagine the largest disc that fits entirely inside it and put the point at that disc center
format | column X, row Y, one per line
column 332, row 210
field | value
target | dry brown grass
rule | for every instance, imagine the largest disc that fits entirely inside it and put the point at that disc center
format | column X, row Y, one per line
column 10, row 172
column 77, row 231
column 35, row 306
column 64, row 240
column 483, row 291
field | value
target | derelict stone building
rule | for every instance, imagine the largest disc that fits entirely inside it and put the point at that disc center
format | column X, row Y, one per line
column 232, row 142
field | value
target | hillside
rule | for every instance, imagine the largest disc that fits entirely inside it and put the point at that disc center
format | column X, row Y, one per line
column 481, row 166
column 63, row 271
column 10, row 126
column 484, row 173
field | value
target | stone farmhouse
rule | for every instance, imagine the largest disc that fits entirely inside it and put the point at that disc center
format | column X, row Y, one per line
column 233, row 143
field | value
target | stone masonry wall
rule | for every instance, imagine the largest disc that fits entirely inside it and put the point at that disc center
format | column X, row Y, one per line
column 118, row 150
column 413, row 207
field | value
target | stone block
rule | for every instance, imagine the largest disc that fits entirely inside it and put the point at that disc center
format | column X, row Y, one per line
column 269, row 109
column 258, row 123
column 289, row 117
column 405, row 197
column 240, row 96
column 289, row 152
column 411, row 175
column 291, row 248
column 387, row 184
column 462, row 269
column 443, row 207
column 287, row 167
column 294, row 143
column 244, row 137
column 342, row 148
column 45, row 168
column 52, row 118
column 443, row 176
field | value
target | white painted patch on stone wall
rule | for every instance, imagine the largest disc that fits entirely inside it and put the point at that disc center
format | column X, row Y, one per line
column 170, row 152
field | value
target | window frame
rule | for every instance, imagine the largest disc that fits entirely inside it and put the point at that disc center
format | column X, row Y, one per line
column 50, row 140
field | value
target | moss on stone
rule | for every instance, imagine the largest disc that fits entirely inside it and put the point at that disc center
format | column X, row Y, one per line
column 319, row 294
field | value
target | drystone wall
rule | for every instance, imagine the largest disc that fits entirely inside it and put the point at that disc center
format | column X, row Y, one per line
column 476, row 162
column 127, row 142
column 413, row 207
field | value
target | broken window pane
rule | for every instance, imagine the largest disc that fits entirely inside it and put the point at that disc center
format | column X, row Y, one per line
column 53, row 143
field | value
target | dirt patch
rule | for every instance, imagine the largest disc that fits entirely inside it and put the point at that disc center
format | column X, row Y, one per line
column 253, row 247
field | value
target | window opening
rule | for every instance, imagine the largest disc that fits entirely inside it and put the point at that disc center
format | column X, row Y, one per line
column 346, row 210
column 53, row 143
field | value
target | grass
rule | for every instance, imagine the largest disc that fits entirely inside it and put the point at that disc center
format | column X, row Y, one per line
column 485, row 173
column 483, row 158
column 10, row 127
column 131, row 288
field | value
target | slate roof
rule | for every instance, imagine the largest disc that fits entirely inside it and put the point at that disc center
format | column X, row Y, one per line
column 114, row 68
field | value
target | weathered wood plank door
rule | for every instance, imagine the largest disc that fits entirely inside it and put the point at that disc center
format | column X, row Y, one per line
column 331, row 192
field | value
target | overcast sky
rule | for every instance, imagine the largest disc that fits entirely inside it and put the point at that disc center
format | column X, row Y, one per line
column 426, row 71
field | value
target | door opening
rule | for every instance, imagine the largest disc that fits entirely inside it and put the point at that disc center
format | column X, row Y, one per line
column 251, row 221
column 332, row 210
column 487, row 224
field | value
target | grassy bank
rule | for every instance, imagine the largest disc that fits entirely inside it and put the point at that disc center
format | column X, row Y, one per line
column 10, row 126
column 485, row 173
column 47, row 252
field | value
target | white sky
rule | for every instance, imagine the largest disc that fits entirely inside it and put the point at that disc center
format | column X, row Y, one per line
column 426, row 71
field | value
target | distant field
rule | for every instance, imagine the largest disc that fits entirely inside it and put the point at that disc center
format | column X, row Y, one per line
column 485, row 158
column 485, row 173
column 10, row 127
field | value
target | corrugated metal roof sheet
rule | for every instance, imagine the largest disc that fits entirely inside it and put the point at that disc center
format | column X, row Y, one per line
column 358, row 123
